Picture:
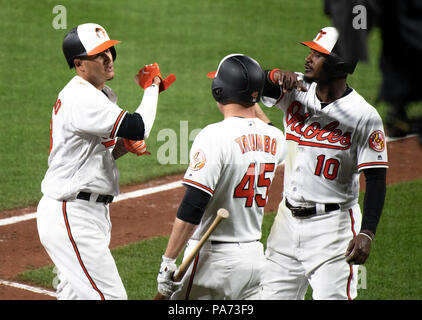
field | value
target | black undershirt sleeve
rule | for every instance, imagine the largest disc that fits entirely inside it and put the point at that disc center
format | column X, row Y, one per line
column 193, row 205
column 132, row 127
column 270, row 89
column 373, row 202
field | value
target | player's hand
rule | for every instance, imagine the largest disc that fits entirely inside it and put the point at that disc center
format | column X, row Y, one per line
column 150, row 74
column 359, row 249
column 166, row 285
column 287, row 80
column 137, row 147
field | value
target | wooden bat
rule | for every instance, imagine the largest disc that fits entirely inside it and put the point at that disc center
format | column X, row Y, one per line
column 221, row 214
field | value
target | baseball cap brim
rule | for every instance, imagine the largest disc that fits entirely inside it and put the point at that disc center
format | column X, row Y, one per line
column 102, row 47
column 315, row 46
column 211, row 74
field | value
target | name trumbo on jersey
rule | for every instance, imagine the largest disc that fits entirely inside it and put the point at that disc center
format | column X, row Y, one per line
column 257, row 142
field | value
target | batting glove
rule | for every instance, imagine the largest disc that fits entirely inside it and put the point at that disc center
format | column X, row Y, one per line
column 137, row 147
column 147, row 74
column 166, row 285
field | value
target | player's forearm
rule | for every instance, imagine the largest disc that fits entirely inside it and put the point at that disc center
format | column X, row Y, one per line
column 119, row 149
column 271, row 90
column 373, row 202
column 148, row 108
column 180, row 235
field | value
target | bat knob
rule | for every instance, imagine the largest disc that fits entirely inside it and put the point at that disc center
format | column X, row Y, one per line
column 223, row 213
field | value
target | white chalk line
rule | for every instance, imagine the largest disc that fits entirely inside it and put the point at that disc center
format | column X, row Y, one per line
column 139, row 193
column 120, row 197
column 27, row 288
column 124, row 196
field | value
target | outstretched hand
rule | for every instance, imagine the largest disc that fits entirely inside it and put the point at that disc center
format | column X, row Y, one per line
column 150, row 74
column 287, row 80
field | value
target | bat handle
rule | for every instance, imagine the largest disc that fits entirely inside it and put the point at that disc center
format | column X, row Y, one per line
column 221, row 214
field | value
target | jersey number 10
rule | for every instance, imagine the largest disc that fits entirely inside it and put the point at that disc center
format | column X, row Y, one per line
column 246, row 187
column 330, row 167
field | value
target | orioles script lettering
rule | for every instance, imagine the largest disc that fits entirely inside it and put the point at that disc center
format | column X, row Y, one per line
column 328, row 136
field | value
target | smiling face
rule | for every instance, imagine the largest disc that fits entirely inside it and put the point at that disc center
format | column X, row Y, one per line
column 96, row 69
column 314, row 63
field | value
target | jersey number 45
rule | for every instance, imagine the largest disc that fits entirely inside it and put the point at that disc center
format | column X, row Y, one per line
column 246, row 187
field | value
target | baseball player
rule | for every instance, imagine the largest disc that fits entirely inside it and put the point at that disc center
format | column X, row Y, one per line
column 333, row 134
column 232, row 164
column 82, row 178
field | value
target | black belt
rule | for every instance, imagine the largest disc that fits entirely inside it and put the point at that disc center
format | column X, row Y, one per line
column 105, row 198
column 310, row 211
column 226, row 242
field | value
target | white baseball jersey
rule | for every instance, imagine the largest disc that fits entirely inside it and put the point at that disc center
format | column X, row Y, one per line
column 76, row 232
column 234, row 161
column 83, row 130
column 328, row 147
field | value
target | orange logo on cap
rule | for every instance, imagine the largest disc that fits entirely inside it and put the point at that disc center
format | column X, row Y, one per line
column 254, row 95
column 100, row 33
column 321, row 33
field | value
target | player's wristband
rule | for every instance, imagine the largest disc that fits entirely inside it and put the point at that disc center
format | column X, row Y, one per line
column 366, row 235
column 272, row 74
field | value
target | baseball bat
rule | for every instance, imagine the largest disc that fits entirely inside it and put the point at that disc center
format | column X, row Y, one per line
column 221, row 214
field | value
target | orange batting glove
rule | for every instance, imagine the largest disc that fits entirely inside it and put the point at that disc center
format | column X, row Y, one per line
column 137, row 147
column 146, row 76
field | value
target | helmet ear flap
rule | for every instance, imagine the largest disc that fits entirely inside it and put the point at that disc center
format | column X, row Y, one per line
column 336, row 66
column 113, row 52
column 72, row 47
column 217, row 93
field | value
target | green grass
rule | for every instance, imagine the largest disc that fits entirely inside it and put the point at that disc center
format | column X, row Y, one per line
column 392, row 271
column 187, row 38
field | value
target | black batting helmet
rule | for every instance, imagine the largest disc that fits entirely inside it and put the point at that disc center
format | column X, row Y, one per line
column 87, row 40
column 238, row 79
column 326, row 42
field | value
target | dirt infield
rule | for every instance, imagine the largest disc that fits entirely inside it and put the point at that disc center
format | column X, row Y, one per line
column 152, row 215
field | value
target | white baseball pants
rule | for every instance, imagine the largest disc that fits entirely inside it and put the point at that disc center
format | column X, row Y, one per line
column 224, row 271
column 76, row 235
column 311, row 251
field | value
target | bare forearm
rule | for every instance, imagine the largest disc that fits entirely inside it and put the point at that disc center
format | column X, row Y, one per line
column 180, row 235
column 119, row 149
